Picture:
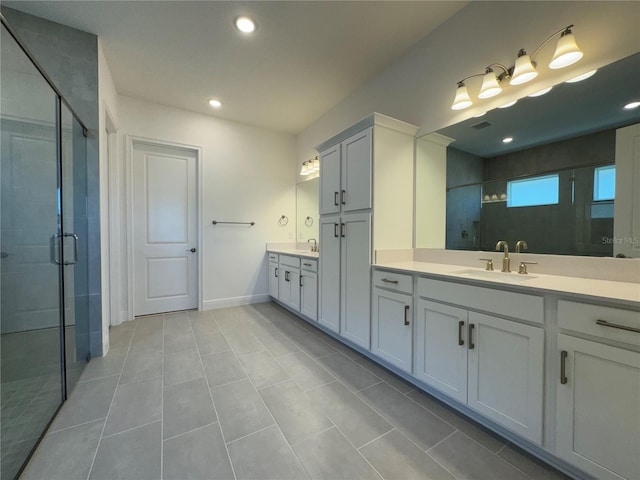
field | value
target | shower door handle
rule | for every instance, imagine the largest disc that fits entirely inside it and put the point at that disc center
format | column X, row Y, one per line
column 53, row 257
column 75, row 248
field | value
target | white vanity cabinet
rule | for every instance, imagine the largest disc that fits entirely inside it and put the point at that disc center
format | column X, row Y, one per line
column 492, row 364
column 309, row 288
column 356, row 168
column 598, row 390
column 273, row 275
column 289, row 281
column 392, row 319
column 345, row 179
column 345, row 264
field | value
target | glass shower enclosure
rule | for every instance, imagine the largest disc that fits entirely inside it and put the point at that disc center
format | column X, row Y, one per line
column 44, row 330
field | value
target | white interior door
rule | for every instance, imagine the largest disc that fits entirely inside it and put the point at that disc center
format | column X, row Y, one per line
column 164, row 229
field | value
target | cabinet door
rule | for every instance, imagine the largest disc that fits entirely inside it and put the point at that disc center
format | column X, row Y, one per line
column 284, row 286
column 392, row 327
column 505, row 380
column 273, row 280
column 598, row 409
column 441, row 348
column 329, row 265
column 355, row 314
column 330, row 180
column 357, row 166
column 294, row 285
column 309, row 295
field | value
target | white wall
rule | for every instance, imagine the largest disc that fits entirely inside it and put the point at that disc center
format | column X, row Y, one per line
column 110, row 237
column 419, row 88
column 247, row 175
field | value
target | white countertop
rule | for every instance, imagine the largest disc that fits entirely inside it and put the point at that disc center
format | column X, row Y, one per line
column 294, row 251
column 594, row 289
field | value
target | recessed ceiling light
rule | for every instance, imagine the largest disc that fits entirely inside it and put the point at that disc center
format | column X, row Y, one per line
column 507, row 140
column 584, row 76
column 245, row 24
column 541, row 92
column 632, row 105
column 507, row 105
column 215, row 103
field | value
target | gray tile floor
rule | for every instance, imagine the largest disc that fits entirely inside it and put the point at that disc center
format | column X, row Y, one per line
column 256, row 393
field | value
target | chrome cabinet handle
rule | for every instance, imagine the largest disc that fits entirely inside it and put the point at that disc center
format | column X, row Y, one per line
column 471, row 344
column 406, row 313
column 460, row 326
column 604, row 323
column 335, row 198
column 563, row 367
column 386, row 280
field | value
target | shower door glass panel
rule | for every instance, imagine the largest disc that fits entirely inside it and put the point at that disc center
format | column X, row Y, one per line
column 75, row 227
column 30, row 280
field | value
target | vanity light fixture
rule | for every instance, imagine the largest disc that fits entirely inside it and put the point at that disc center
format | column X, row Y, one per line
column 310, row 166
column 305, row 169
column 245, row 24
column 215, row 103
column 632, row 105
column 584, row 76
column 541, row 92
column 316, row 164
column 524, row 70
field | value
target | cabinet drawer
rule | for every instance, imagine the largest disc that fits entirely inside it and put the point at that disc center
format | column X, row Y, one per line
column 585, row 318
column 290, row 261
column 273, row 257
column 309, row 265
column 511, row 304
column 393, row 281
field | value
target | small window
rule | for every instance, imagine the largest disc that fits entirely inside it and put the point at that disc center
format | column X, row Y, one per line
column 604, row 183
column 533, row 191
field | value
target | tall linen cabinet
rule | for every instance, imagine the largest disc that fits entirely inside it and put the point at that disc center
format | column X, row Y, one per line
column 366, row 203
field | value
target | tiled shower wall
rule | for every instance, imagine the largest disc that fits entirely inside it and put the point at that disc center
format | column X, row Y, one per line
column 70, row 59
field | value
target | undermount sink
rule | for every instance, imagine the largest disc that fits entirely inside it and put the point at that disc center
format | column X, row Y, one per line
column 512, row 277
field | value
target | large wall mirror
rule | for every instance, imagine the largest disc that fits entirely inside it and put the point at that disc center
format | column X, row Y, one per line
column 544, row 171
column 307, row 210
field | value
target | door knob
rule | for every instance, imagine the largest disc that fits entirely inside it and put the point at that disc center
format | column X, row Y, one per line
column 192, row 250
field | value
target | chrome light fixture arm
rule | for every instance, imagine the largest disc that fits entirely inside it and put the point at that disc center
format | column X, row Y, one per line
column 562, row 31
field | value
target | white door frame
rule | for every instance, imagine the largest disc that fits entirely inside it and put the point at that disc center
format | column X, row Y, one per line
column 130, row 141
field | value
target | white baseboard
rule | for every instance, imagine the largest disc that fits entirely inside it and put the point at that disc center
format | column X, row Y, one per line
column 235, row 301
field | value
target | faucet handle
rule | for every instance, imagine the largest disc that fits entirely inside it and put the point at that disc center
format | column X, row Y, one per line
column 523, row 267
column 489, row 263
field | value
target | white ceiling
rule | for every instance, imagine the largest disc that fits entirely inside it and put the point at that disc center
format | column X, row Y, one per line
column 304, row 58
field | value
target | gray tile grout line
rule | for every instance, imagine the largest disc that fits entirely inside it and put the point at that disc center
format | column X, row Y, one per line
column 215, row 410
column 231, row 442
column 378, row 437
column 164, row 319
column 49, row 432
column 190, row 431
column 95, row 454
column 427, row 450
column 126, row 430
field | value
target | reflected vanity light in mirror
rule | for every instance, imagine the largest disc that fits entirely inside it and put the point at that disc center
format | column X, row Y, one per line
column 541, row 92
column 507, row 105
column 632, row 105
column 582, row 77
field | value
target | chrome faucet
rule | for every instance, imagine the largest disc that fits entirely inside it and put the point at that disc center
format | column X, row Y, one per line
column 521, row 244
column 506, row 261
column 314, row 247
